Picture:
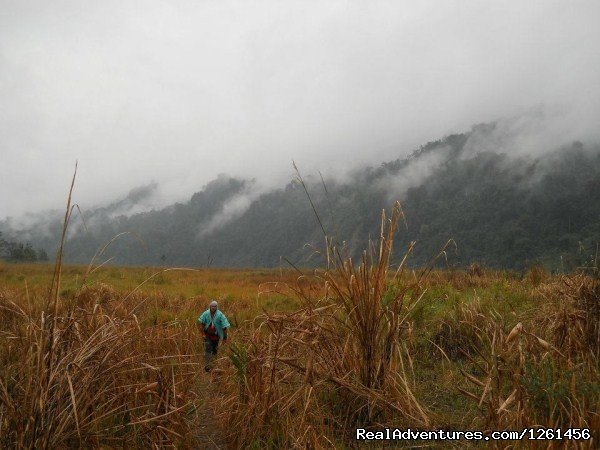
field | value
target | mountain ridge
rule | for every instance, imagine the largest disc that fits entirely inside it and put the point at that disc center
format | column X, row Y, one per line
column 504, row 209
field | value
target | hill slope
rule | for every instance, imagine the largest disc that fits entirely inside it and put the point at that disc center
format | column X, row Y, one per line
column 502, row 206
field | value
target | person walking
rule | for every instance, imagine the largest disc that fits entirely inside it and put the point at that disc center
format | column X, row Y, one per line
column 213, row 325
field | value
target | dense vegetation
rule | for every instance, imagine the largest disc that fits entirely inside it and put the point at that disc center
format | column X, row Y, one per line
column 19, row 252
column 503, row 208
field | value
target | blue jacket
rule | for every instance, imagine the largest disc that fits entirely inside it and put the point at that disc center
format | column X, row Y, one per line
column 220, row 321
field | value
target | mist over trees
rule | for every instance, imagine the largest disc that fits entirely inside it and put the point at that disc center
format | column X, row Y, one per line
column 503, row 209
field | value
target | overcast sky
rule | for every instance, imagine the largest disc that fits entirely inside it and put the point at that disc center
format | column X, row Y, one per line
column 179, row 91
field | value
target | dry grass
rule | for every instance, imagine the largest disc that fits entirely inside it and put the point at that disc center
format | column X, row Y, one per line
column 95, row 377
column 334, row 364
column 298, row 378
column 82, row 372
column 543, row 371
column 110, row 357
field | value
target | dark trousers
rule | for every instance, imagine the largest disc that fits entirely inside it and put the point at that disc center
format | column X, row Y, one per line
column 210, row 351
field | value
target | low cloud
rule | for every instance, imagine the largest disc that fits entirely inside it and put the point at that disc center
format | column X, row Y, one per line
column 178, row 92
column 416, row 172
column 232, row 209
column 536, row 132
column 138, row 200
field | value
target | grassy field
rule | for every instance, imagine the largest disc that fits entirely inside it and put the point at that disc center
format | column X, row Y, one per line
column 246, row 291
column 112, row 358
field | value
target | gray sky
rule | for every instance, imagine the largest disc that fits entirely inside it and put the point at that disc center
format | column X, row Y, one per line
column 178, row 92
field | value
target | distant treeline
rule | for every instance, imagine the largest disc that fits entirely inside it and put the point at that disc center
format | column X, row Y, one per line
column 19, row 252
column 503, row 209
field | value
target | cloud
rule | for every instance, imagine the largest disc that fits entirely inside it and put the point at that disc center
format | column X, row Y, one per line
column 414, row 173
column 232, row 209
column 138, row 200
column 531, row 134
column 178, row 92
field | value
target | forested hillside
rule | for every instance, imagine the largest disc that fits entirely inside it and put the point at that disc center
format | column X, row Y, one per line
column 502, row 207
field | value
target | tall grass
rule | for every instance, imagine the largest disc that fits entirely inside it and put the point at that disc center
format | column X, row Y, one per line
column 83, row 372
column 107, row 380
column 542, row 372
column 357, row 344
column 335, row 363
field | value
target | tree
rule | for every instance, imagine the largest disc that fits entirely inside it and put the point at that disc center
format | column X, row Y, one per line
column 42, row 255
column 19, row 252
column 3, row 245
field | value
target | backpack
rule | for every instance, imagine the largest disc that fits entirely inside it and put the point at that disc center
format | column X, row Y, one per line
column 211, row 331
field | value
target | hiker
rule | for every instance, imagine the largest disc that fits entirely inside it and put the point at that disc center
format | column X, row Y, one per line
column 213, row 325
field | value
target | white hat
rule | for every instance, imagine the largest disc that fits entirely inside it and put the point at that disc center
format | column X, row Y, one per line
column 214, row 303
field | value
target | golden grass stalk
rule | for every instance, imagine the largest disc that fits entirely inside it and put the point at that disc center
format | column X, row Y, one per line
column 81, row 376
column 343, row 348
